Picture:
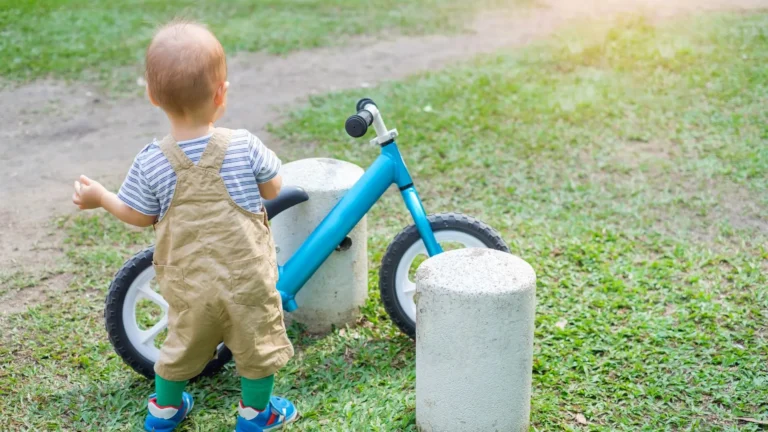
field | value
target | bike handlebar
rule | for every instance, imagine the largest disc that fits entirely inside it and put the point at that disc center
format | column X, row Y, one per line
column 357, row 124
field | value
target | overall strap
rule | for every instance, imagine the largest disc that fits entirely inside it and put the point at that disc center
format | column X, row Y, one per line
column 175, row 155
column 214, row 153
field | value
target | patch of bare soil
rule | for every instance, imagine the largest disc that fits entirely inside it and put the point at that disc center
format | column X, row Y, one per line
column 51, row 132
column 639, row 153
column 19, row 300
column 729, row 207
column 704, row 208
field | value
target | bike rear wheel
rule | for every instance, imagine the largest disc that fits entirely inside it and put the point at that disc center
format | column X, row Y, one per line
column 136, row 317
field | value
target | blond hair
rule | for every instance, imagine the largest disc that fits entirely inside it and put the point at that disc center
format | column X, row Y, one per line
column 184, row 64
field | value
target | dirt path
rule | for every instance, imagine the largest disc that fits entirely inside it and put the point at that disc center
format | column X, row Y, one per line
column 52, row 132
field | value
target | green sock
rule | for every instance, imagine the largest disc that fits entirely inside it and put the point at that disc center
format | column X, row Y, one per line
column 256, row 393
column 168, row 392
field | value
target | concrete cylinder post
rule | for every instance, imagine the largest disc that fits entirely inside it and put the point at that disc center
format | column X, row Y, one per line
column 474, row 342
column 334, row 295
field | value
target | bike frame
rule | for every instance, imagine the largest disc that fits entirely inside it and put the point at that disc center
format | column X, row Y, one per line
column 388, row 169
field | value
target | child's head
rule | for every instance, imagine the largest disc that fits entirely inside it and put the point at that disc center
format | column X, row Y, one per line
column 187, row 72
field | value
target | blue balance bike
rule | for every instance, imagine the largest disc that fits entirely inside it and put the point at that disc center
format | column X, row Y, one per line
column 136, row 314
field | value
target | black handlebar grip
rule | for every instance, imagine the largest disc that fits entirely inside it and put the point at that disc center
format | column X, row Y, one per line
column 357, row 125
column 363, row 102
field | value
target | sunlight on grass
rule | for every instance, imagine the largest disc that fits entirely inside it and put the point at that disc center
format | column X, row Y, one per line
column 65, row 38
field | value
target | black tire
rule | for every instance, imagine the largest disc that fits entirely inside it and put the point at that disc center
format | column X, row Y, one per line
column 410, row 235
column 113, row 317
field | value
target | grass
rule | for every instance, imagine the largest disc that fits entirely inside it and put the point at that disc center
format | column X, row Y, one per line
column 64, row 38
column 626, row 163
column 19, row 280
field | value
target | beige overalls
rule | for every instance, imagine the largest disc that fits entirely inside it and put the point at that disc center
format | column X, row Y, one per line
column 215, row 264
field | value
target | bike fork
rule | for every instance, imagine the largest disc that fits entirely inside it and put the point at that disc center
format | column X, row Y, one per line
column 413, row 202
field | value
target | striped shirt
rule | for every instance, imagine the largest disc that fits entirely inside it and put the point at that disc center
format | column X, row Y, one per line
column 151, row 181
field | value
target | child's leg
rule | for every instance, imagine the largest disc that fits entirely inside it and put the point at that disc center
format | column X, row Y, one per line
column 256, row 393
column 259, row 410
column 169, row 406
column 168, row 392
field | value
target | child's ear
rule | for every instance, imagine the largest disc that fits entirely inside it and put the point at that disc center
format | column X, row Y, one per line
column 151, row 99
column 220, row 98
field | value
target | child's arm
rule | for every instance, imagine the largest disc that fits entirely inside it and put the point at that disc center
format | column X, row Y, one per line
column 271, row 189
column 90, row 194
column 266, row 168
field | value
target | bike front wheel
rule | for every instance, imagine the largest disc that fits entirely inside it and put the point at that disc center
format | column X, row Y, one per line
column 407, row 252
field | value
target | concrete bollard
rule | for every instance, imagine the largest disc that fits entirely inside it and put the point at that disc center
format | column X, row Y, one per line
column 332, row 296
column 474, row 342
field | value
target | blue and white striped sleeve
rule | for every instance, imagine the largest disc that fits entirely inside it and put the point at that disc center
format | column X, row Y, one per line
column 264, row 162
column 136, row 192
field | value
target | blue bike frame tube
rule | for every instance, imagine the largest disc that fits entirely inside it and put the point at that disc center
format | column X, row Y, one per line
column 332, row 230
column 387, row 169
column 401, row 176
column 413, row 202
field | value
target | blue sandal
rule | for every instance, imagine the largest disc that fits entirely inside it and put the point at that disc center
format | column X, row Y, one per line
column 279, row 413
column 166, row 418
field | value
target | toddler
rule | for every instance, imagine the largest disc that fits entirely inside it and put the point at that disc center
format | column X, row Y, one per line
column 202, row 188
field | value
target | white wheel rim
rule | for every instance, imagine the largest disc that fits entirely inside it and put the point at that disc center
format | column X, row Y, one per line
column 406, row 288
column 144, row 340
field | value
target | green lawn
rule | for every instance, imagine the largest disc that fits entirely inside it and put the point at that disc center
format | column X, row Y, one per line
column 628, row 166
column 64, row 38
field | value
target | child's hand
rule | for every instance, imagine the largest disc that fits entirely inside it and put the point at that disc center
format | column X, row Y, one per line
column 88, row 193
